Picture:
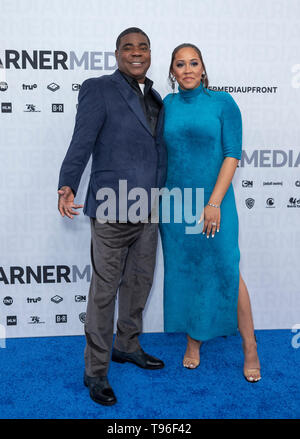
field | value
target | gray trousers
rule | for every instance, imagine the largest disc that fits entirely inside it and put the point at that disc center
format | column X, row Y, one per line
column 123, row 256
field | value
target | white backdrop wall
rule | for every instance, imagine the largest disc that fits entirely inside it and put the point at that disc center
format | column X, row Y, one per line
column 251, row 46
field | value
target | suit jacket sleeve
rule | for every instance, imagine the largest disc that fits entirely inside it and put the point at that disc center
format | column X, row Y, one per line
column 91, row 113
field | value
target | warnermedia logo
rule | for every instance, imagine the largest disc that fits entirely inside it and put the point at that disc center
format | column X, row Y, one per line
column 57, row 59
column 271, row 158
column 44, row 274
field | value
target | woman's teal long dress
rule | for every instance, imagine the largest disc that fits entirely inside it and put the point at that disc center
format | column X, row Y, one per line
column 201, row 276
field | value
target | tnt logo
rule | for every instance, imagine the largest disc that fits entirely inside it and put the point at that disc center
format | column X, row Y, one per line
column 2, row 337
column 57, row 108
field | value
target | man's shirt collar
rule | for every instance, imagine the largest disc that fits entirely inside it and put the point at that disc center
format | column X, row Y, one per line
column 134, row 83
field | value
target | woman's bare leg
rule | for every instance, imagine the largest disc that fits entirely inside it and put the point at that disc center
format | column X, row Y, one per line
column 246, row 327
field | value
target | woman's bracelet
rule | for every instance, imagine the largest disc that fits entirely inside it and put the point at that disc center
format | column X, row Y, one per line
column 213, row 205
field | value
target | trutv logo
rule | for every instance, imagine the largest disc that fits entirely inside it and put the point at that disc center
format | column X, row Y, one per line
column 44, row 274
column 57, row 59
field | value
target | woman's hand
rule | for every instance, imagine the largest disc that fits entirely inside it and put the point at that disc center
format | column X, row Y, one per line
column 212, row 220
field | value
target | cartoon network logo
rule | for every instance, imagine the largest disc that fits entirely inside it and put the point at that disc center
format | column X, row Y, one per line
column 270, row 158
column 57, row 59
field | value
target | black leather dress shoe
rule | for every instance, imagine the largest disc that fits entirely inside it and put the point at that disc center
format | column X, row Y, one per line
column 100, row 390
column 139, row 357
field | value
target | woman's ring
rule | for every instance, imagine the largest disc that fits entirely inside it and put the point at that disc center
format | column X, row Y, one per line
column 213, row 224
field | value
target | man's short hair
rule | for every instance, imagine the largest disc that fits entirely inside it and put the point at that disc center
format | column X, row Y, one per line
column 130, row 30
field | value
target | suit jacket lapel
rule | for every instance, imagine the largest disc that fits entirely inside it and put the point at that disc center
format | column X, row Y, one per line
column 131, row 98
column 161, row 115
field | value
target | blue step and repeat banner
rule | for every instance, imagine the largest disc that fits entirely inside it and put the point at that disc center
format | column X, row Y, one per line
column 251, row 50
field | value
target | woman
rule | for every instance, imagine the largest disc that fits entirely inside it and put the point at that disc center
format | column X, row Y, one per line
column 205, row 295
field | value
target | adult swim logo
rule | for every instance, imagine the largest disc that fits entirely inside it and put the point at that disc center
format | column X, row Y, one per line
column 57, row 60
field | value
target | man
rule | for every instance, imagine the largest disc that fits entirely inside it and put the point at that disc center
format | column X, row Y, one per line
column 119, row 121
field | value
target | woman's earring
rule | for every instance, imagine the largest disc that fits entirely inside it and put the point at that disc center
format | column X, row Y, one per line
column 173, row 81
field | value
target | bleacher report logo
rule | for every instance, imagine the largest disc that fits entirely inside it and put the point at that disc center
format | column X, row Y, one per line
column 57, row 108
column 61, row 318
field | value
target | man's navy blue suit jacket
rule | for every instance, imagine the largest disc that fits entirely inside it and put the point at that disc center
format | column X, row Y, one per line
column 111, row 125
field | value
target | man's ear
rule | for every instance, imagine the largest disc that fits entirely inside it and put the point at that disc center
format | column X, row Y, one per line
column 116, row 54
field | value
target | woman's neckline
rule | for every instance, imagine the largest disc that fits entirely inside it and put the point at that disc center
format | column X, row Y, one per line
column 192, row 92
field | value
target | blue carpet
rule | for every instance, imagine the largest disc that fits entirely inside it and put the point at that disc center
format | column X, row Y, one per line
column 41, row 378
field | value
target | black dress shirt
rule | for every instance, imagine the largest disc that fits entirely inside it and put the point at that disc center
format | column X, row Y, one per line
column 150, row 105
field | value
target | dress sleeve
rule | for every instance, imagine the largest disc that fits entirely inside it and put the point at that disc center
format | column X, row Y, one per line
column 231, row 128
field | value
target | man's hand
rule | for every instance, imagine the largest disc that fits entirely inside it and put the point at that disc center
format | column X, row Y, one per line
column 66, row 202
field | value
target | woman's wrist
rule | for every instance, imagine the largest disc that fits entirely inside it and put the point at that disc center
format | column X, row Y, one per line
column 213, row 205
